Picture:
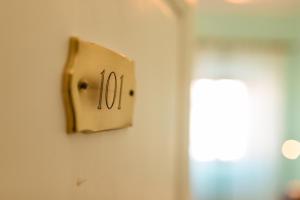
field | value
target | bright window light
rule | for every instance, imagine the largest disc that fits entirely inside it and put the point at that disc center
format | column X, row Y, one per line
column 219, row 120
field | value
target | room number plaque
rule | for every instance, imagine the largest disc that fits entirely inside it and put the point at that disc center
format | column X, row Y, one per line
column 98, row 88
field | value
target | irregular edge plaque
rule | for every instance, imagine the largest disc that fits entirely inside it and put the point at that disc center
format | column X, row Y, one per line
column 67, row 91
column 71, row 127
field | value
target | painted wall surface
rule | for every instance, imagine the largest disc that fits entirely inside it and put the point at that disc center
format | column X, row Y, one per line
column 38, row 160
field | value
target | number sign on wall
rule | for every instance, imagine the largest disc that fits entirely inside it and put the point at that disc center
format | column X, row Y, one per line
column 98, row 88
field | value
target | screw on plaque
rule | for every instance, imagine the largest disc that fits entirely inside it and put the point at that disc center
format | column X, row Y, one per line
column 131, row 93
column 83, row 85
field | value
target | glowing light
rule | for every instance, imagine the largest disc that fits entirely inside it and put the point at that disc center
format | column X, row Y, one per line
column 165, row 9
column 219, row 120
column 291, row 149
column 294, row 189
column 192, row 2
column 238, row 1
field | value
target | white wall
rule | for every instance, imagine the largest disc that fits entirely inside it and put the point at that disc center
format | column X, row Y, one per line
column 38, row 160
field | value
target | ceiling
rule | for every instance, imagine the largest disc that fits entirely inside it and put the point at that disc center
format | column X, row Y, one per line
column 265, row 6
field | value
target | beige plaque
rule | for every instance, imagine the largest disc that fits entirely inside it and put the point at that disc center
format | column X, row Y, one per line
column 98, row 88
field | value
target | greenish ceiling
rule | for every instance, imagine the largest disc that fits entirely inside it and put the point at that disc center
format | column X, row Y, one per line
column 248, row 26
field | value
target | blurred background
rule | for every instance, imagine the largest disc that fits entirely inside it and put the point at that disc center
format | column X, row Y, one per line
column 245, row 100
